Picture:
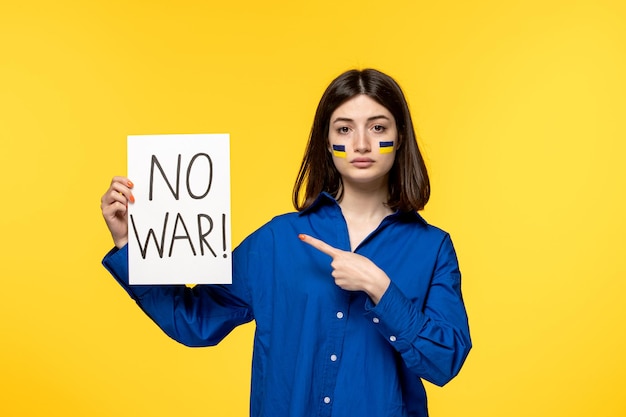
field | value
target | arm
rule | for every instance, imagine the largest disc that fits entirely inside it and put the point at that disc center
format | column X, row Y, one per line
column 198, row 316
column 433, row 342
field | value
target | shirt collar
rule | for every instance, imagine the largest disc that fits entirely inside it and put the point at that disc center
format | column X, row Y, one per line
column 322, row 199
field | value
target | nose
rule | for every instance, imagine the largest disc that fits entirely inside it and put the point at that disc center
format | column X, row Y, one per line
column 361, row 143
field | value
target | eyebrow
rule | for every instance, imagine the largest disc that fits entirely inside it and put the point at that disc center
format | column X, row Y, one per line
column 369, row 119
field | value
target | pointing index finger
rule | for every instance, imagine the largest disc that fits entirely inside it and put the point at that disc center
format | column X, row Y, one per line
column 319, row 245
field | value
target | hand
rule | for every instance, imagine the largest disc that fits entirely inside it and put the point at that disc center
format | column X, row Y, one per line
column 353, row 272
column 114, row 205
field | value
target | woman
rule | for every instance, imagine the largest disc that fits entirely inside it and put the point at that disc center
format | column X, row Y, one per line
column 355, row 297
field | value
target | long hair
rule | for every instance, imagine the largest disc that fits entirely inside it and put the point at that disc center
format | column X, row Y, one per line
column 409, row 185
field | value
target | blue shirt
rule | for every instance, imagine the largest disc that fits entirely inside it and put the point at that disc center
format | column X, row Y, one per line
column 320, row 350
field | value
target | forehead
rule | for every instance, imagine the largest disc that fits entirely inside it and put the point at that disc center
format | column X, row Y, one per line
column 360, row 107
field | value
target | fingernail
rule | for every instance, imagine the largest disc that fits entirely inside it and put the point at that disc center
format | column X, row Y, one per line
column 130, row 184
column 301, row 236
column 132, row 198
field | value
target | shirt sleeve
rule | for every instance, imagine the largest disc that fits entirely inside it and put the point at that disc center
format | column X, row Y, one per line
column 433, row 342
column 198, row 316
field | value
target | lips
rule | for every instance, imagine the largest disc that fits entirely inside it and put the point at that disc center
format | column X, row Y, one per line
column 362, row 162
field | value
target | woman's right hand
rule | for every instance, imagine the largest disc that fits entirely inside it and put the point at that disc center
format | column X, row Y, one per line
column 114, row 205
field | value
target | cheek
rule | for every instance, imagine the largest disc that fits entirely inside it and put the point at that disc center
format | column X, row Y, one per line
column 390, row 157
column 387, row 159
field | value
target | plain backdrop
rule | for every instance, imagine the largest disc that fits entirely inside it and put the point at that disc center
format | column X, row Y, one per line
column 520, row 109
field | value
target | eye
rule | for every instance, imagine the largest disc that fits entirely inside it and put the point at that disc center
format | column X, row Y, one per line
column 379, row 128
column 343, row 130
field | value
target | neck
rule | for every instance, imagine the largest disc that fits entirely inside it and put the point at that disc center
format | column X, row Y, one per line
column 364, row 202
column 363, row 209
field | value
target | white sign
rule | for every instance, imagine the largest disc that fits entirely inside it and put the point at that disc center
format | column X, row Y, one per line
column 179, row 225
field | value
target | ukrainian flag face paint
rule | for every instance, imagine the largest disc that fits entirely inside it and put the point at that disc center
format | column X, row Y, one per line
column 386, row 147
column 339, row 151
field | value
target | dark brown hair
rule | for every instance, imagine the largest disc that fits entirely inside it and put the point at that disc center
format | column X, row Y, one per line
column 409, row 186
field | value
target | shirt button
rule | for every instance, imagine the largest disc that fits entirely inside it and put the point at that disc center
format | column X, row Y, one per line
column 333, row 358
column 326, row 400
column 392, row 338
column 340, row 314
column 376, row 320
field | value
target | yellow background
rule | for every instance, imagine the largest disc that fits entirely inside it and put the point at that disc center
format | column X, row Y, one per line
column 520, row 106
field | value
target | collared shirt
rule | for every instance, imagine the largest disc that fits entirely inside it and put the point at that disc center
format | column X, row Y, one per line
column 320, row 350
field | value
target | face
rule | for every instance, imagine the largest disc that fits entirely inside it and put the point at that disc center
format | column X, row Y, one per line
column 362, row 138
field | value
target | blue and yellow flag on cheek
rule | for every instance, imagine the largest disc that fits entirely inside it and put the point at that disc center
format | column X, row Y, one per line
column 386, row 147
column 339, row 151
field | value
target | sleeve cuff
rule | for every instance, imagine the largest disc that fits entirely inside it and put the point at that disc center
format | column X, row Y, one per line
column 396, row 318
column 116, row 262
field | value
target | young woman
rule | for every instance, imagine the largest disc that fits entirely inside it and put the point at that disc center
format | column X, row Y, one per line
column 355, row 297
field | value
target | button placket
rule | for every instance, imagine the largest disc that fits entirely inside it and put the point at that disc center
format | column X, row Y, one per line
column 336, row 334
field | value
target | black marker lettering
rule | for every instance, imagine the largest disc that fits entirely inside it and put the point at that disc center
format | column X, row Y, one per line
column 224, row 234
column 208, row 188
column 154, row 162
column 202, row 236
column 144, row 249
column 186, row 236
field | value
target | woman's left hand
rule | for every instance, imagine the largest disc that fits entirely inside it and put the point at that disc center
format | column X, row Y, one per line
column 351, row 271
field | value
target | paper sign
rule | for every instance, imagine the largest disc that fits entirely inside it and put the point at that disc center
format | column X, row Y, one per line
column 179, row 225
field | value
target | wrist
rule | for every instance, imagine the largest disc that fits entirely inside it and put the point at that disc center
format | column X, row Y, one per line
column 378, row 288
column 120, row 243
